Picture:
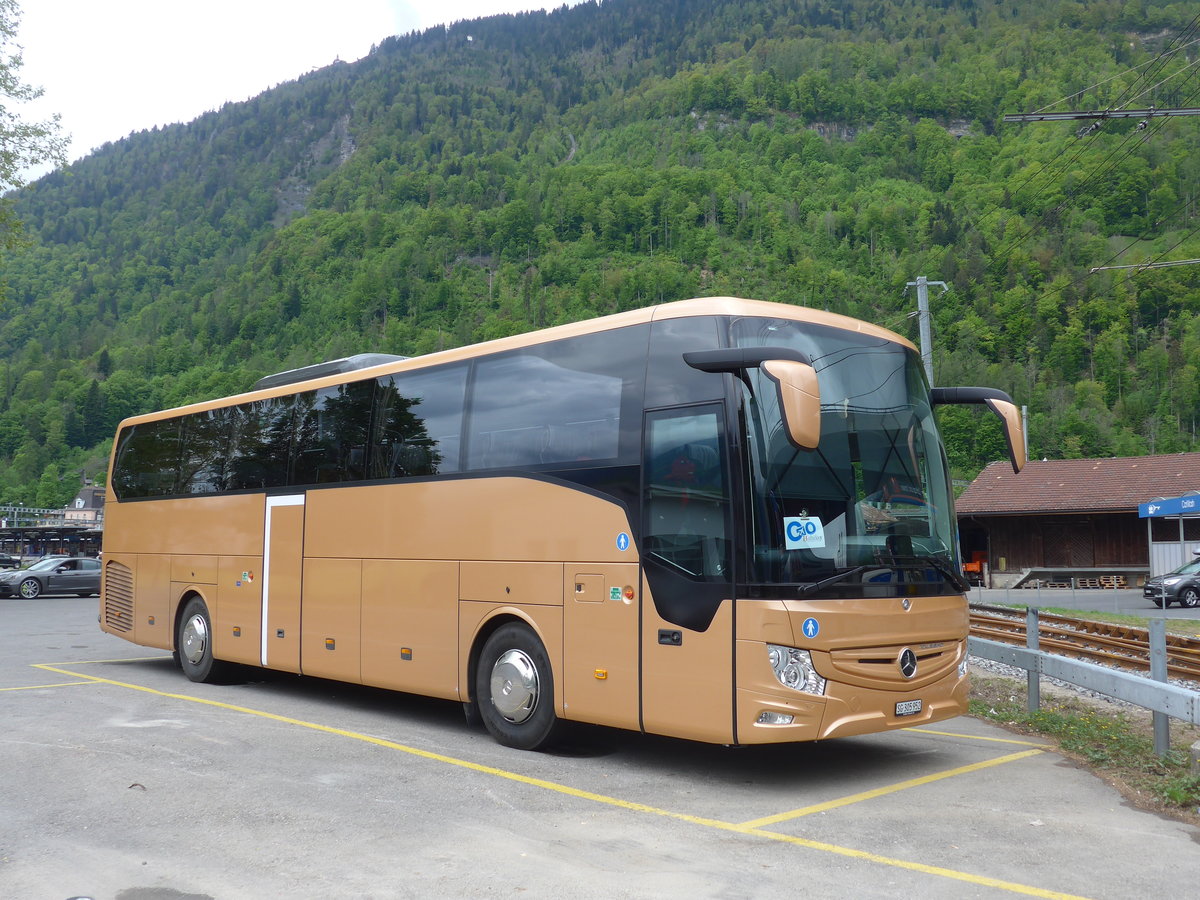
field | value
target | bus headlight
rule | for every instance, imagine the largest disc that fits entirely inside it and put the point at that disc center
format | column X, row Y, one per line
column 794, row 669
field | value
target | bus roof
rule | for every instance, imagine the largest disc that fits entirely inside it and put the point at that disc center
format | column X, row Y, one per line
column 703, row 306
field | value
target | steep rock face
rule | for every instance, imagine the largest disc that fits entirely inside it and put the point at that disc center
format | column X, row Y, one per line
column 292, row 191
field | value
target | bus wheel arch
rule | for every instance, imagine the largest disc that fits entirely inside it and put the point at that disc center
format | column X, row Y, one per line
column 194, row 641
column 512, row 683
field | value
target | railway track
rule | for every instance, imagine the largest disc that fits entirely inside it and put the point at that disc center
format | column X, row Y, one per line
column 1100, row 642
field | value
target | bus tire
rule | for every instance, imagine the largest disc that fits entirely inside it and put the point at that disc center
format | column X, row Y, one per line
column 193, row 643
column 514, row 688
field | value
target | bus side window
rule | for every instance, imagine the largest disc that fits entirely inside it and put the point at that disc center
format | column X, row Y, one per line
column 417, row 423
column 686, row 497
column 203, row 466
column 331, row 433
column 259, row 444
column 147, row 460
column 558, row 404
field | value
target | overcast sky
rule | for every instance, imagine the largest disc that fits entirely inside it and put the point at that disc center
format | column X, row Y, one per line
column 112, row 67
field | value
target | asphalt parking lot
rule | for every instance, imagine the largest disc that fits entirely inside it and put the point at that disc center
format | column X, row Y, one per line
column 124, row 781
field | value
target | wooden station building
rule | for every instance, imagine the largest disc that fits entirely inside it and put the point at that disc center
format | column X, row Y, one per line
column 1073, row 521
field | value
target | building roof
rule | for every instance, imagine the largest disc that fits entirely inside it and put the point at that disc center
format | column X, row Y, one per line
column 1050, row 486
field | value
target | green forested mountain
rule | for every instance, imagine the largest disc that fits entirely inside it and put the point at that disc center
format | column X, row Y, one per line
column 521, row 171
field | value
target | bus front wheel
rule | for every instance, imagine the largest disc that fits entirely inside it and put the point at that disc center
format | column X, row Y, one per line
column 514, row 688
column 193, row 643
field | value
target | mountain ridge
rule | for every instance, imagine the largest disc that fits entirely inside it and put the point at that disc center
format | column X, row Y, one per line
column 594, row 158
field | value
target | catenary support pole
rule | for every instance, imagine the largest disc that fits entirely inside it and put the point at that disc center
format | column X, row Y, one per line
column 922, row 286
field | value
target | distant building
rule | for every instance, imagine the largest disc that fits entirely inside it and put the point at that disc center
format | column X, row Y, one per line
column 76, row 529
column 87, row 508
column 1074, row 519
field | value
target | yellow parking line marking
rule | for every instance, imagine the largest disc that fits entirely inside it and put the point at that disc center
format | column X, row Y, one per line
column 978, row 880
column 93, row 662
column 34, row 687
column 745, row 829
column 889, row 789
column 980, row 737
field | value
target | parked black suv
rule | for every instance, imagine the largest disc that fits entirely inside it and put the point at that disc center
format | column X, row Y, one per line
column 1180, row 586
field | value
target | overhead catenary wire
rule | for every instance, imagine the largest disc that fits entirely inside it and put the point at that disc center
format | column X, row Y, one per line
column 1145, row 131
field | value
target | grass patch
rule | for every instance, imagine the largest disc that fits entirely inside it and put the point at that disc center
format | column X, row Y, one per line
column 1115, row 742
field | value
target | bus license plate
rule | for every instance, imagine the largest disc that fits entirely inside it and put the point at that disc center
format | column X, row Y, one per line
column 908, row 707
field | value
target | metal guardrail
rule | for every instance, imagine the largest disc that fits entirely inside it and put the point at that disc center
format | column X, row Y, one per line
column 1153, row 693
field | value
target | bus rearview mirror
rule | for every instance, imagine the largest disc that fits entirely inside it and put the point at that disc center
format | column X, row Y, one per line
column 799, row 400
column 1014, row 432
column 999, row 403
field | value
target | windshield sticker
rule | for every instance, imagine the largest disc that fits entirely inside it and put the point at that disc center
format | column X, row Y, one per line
column 802, row 533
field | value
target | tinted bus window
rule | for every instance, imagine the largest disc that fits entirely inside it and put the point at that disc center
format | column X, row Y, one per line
column 556, row 403
column 203, row 462
column 260, row 442
column 671, row 381
column 147, row 460
column 418, row 423
column 331, row 427
column 686, row 496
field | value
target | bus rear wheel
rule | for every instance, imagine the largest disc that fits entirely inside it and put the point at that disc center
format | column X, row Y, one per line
column 193, row 643
column 514, row 687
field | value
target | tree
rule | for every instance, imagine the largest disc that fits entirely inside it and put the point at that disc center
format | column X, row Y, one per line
column 22, row 144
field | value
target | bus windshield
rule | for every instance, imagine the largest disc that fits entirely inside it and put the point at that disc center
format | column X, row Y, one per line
column 869, row 512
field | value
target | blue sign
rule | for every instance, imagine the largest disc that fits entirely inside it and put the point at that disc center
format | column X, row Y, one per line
column 1188, row 505
column 622, row 542
column 810, row 627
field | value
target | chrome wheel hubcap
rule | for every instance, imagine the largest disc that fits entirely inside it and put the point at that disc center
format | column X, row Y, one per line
column 515, row 686
column 195, row 639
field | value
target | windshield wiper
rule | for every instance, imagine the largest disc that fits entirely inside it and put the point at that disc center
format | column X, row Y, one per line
column 941, row 564
column 811, row 587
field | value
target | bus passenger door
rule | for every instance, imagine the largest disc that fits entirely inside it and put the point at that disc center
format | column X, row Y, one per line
column 687, row 607
column 283, row 558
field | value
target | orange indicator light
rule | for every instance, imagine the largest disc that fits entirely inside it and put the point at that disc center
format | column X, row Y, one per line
column 627, row 593
column 329, row 644
column 601, row 674
column 237, row 630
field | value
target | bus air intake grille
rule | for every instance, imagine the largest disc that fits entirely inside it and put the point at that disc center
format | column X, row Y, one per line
column 118, row 597
column 880, row 667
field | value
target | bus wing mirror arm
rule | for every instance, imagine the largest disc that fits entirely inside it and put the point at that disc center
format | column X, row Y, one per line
column 999, row 403
column 789, row 370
